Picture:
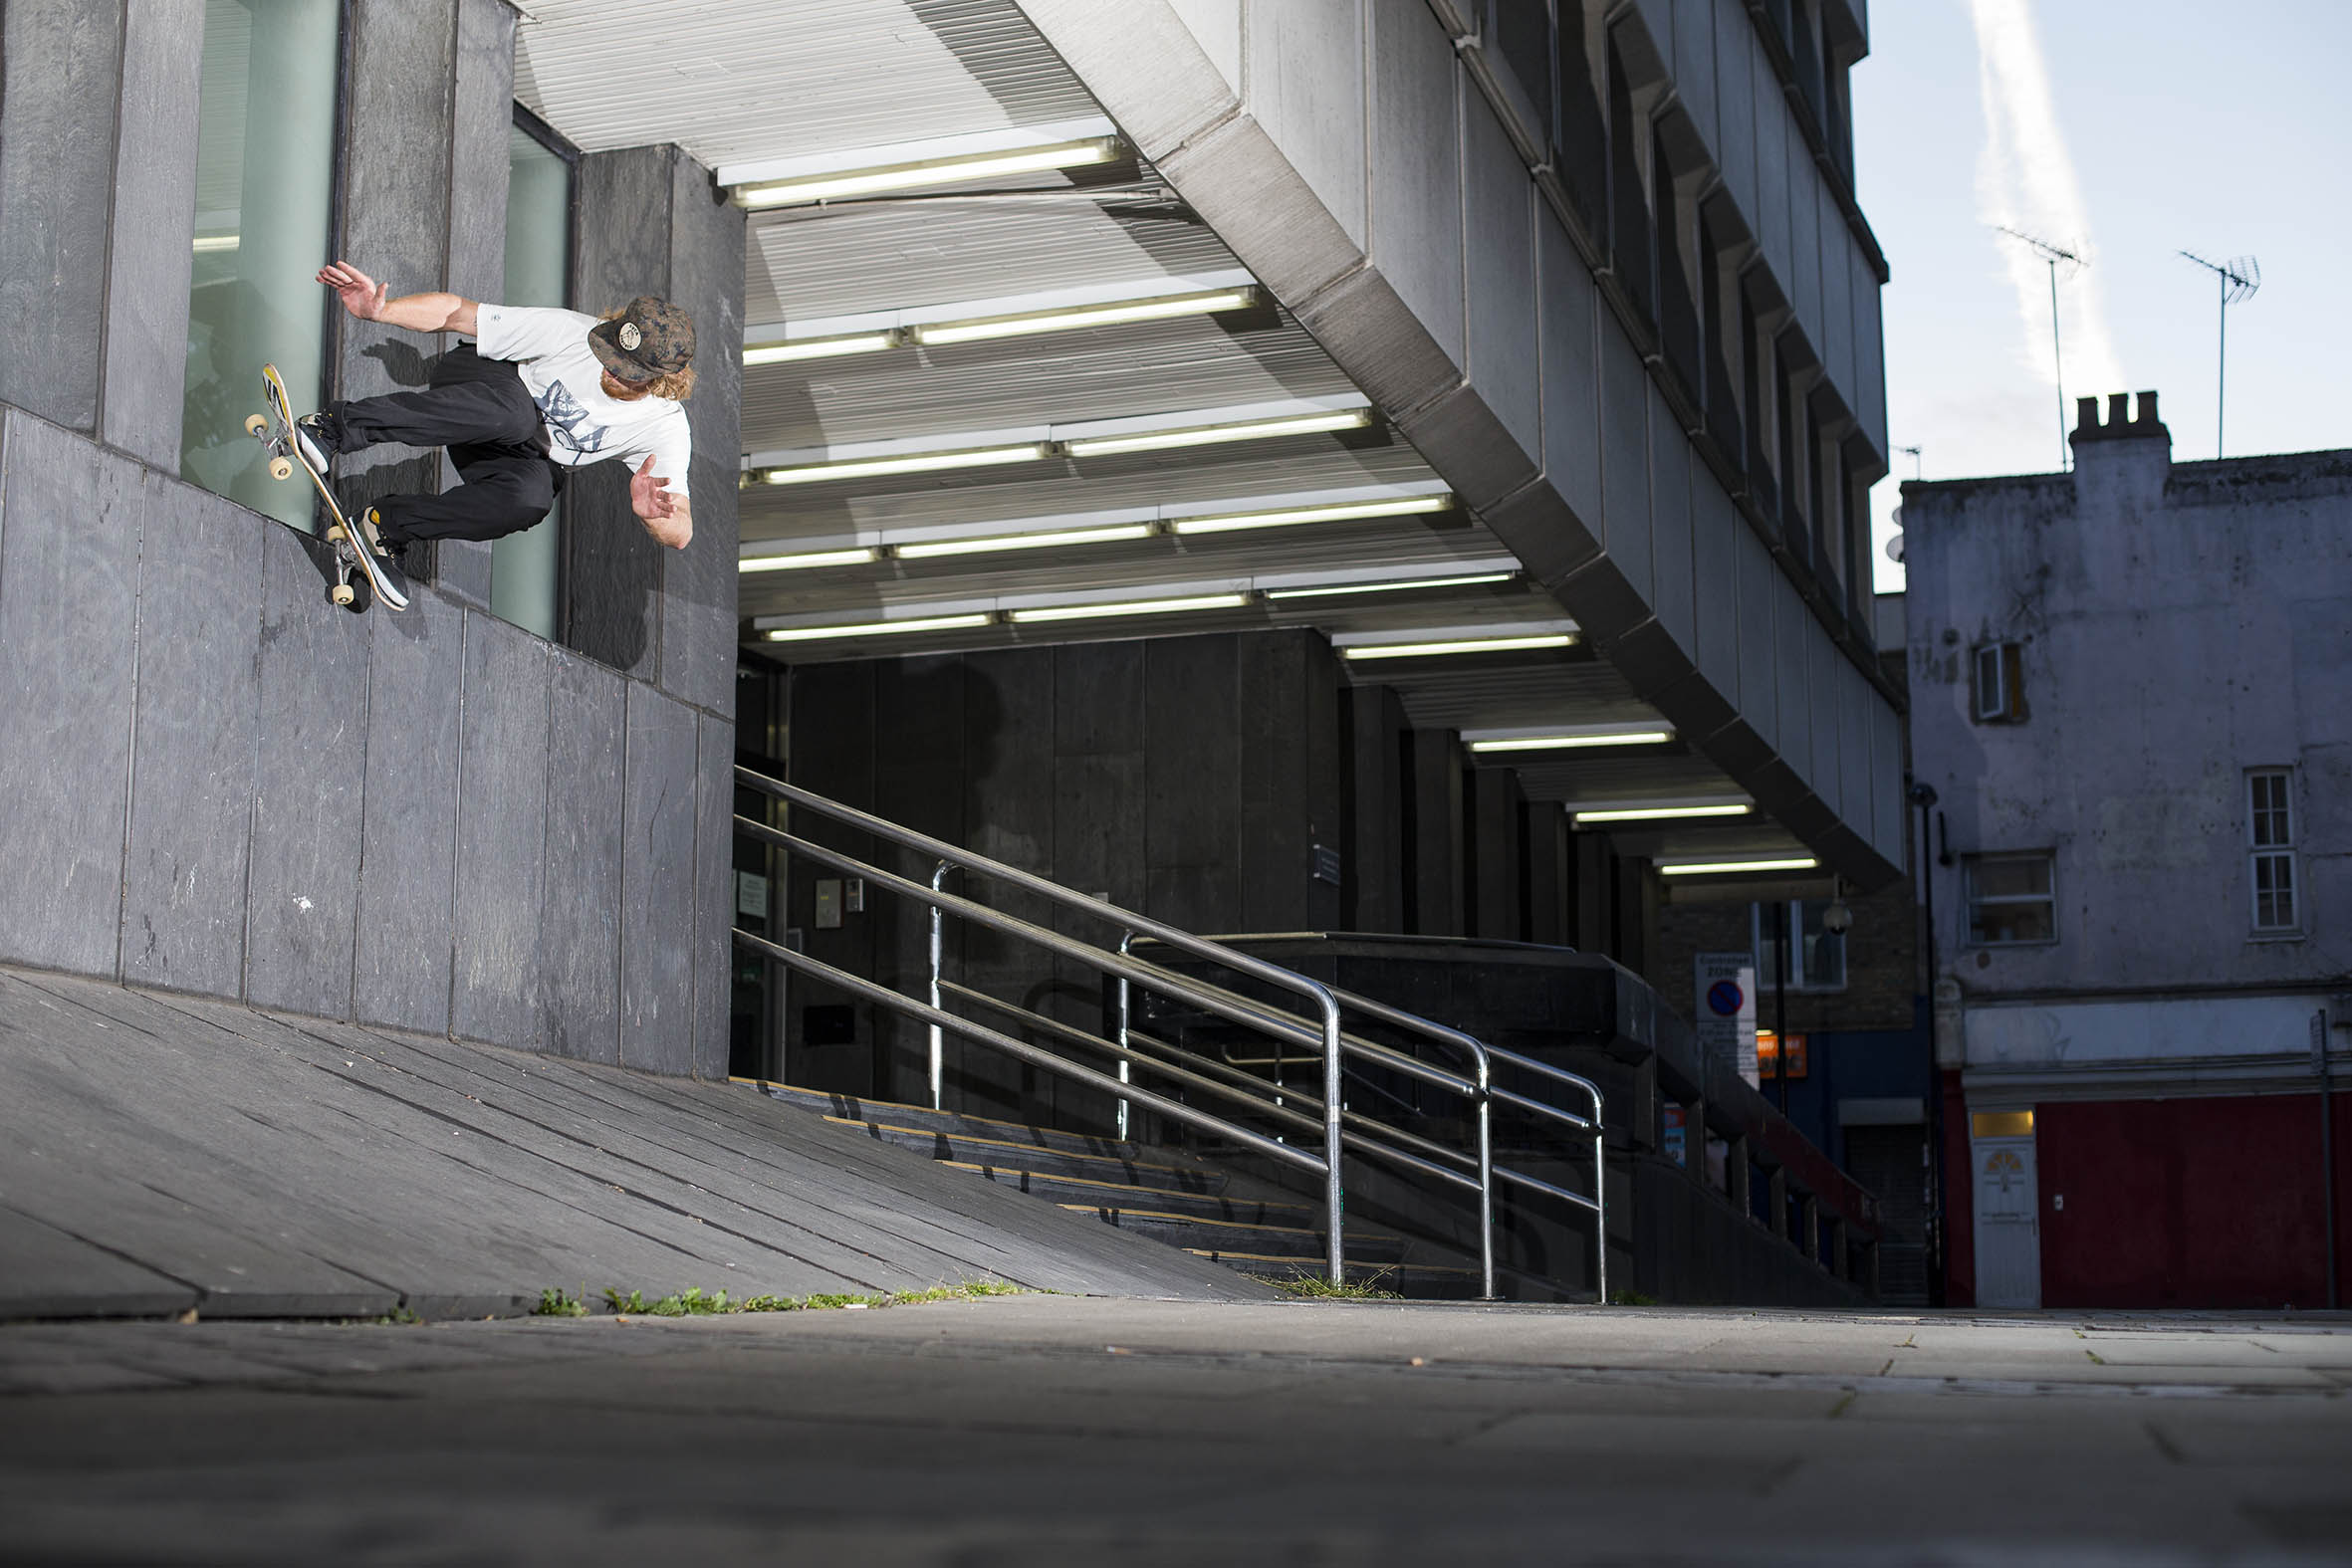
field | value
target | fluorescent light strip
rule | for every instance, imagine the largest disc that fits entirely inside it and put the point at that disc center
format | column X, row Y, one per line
column 1406, row 507
column 1209, row 435
column 914, row 463
column 1556, row 742
column 1662, row 813
column 818, row 347
column 974, row 547
column 1417, row 650
column 1731, row 867
column 1130, row 608
column 207, row 244
column 1086, row 316
column 933, row 172
column 876, row 628
column 809, row 560
column 1391, row 588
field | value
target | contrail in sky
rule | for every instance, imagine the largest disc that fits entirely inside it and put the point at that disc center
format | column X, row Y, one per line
column 2025, row 179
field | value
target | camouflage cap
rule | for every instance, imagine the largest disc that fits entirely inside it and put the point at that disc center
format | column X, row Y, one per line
column 652, row 338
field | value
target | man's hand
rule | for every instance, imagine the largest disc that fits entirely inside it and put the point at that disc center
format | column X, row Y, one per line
column 365, row 299
column 361, row 294
column 665, row 516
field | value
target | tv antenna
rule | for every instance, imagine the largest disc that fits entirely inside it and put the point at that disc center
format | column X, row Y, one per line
column 1912, row 452
column 2239, row 277
column 2054, row 255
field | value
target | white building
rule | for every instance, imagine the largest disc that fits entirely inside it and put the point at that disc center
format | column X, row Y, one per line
column 2132, row 699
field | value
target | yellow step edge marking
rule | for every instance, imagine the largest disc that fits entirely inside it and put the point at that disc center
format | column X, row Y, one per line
column 1125, row 1187
column 1033, row 1148
column 1217, row 1254
column 900, row 1105
column 1230, row 1224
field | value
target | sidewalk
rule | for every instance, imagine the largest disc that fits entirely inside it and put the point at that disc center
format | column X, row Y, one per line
column 1148, row 1433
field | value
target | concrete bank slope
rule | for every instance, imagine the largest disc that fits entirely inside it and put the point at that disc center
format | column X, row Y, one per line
column 161, row 1152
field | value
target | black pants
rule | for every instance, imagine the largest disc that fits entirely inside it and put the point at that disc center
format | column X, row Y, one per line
column 480, row 411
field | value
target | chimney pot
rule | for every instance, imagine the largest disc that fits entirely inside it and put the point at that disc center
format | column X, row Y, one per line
column 2119, row 410
column 2086, row 415
column 2148, row 408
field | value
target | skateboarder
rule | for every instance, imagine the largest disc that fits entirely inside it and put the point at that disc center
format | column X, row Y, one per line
column 538, row 392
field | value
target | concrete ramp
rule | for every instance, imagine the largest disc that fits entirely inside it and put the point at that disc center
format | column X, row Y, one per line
column 161, row 1152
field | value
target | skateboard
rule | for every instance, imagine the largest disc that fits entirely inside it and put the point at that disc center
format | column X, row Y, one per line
column 275, row 431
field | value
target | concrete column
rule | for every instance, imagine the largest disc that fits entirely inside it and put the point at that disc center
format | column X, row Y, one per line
column 651, row 222
column 396, row 216
column 148, row 257
column 1550, row 878
column 1596, row 894
column 1648, row 1107
column 61, row 64
column 1808, row 1214
column 482, row 114
column 1839, row 1262
column 1736, row 1168
column 1375, row 872
column 1436, row 837
column 1496, row 853
column 1777, row 1205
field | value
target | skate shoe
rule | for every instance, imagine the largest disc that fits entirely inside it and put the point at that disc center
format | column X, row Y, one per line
column 316, row 437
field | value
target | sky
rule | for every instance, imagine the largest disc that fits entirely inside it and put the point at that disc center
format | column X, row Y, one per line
column 2127, row 131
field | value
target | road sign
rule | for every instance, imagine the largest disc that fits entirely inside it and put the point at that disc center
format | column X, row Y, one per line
column 1726, row 1010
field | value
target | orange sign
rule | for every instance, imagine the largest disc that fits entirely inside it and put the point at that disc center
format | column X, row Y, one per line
column 1768, row 1054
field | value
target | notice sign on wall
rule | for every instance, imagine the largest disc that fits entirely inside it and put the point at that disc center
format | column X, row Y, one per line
column 1727, row 1010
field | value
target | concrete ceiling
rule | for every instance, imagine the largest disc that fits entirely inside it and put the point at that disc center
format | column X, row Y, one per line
column 855, row 82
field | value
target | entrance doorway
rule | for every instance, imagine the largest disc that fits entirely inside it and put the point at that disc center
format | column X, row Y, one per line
column 2007, row 1210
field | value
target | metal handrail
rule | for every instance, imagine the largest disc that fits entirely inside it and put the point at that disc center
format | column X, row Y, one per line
column 1335, row 1192
column 1022, row 1051
column 1340, row 1127
column 1485, row 1092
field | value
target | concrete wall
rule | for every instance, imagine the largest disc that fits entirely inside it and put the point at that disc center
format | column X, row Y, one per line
column 216, row 782
column 2179, row 624
column 1357, row 168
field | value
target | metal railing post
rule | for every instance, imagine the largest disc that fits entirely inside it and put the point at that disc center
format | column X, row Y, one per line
column 1485, row 1179
column 1334, row 1194
column 1127, row 944
column 938, row 954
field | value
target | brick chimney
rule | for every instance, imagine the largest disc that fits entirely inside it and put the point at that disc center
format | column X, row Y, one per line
column 2121, row 461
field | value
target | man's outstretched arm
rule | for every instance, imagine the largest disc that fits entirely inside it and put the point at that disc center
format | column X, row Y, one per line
column 663, row 510
column 365, row 299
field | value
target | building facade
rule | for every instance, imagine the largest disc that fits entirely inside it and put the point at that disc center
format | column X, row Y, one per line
column 2132, row 690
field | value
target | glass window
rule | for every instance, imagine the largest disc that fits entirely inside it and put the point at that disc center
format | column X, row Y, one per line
column 2001, row 682
column 525, row 567
column 2271, row 834
column 2010, row 900
column 265, row 185
column 1817, row 955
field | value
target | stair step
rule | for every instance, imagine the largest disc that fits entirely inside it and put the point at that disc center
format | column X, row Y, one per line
column 1080, row 1191
column 1167, row 1170
column 1264, row 1241
column 956, row 1124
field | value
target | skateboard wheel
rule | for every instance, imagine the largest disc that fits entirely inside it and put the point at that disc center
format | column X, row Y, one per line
column 335, row 533
column 342, row 593
column 255, row 424
column 281, row 468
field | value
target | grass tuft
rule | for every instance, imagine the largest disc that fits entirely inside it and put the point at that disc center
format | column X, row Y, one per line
column 1315, row 1288
column 695, row 1302
column 1631, row 1299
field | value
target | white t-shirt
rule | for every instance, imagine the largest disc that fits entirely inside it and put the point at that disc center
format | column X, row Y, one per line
column 566, row 381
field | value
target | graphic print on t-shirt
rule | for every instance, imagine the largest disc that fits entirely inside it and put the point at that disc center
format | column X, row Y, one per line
column 568, row 421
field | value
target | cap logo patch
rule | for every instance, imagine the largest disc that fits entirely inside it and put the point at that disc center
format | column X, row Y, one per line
column 629, row 335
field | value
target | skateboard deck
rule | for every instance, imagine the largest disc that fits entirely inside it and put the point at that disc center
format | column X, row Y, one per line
column 275, row 431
